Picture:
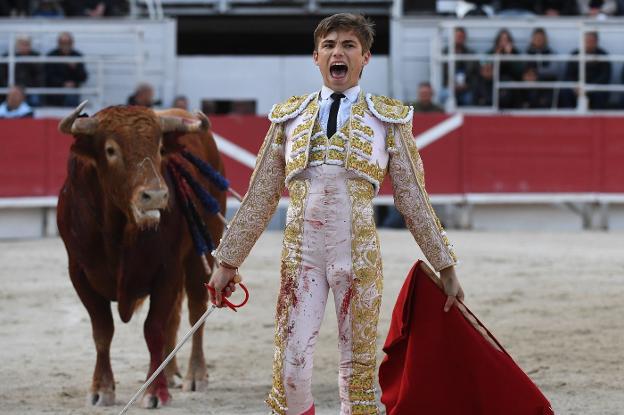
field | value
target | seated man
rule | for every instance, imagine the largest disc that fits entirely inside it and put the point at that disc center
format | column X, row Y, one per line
column 66, row 75
column 15, row 105
column 26, row 73
column 425, row 99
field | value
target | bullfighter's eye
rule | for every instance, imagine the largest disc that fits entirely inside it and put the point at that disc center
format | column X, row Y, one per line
column 162, row 150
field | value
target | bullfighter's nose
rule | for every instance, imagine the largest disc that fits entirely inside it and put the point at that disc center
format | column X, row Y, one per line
column 153, row 198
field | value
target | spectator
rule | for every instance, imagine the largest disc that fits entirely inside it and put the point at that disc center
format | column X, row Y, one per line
column 47, row 9
column 66, row 75
column 533, row 97
column 143, row 96
column 560, row 8
column 596, row 8
column 483, row 89
column 180, row 102
column 517, row 7
column 15, row 105
column 26, row 74
column 542, row 71
column 546, row 70
column 425, row 99
column 596, row 72
column 508, row 70
column 14, row 7
column 466, row 72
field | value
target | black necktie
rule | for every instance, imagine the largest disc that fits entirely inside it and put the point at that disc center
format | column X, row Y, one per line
column 333, row 114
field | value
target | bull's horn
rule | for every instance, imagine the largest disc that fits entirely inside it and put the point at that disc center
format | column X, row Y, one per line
column 74, row 125
column 177, row 124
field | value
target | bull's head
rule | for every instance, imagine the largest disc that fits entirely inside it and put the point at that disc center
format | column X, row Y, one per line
column 125, row 144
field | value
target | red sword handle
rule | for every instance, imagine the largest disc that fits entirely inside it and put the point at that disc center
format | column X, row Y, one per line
column 227, row 302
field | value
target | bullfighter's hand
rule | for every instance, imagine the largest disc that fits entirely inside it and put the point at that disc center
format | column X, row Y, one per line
column 224, row 281
column 452, row 288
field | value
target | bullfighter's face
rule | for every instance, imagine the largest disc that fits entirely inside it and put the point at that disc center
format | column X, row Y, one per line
column 341, row 59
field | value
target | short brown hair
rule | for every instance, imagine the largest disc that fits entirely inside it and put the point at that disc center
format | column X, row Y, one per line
column 363, row 27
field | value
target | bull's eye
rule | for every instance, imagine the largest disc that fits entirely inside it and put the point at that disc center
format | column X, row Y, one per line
column 162, row 150
column 112, row 151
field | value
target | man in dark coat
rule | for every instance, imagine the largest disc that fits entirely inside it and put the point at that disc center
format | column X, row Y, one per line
column 65, row 75
column 596, row 72
column 27, row 74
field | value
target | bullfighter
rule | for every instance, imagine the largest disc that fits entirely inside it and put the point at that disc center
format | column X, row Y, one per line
column 332, row 149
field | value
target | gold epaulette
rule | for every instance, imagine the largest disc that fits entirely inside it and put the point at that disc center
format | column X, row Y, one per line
column 290, row 108
column 389, row 109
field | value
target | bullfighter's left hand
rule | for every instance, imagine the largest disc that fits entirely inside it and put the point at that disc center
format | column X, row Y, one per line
column 452, row 288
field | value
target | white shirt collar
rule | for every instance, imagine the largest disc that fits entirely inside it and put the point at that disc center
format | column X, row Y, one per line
column 351, row 93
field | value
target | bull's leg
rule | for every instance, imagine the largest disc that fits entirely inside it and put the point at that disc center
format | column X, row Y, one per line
column 196, row 378
column 162, row 304
column 172, row 373
column 102, row 392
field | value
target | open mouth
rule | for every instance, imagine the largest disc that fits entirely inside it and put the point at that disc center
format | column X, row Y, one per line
column 148, row 217
column 338, row 70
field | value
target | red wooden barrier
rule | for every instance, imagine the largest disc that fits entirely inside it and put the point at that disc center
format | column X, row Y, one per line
column 488, row 154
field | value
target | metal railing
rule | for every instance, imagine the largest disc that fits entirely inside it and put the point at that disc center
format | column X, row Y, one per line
column 438, row 58
column 157, row 9
column 96, row 92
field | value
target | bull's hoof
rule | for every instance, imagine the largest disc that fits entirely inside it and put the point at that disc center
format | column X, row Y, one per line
column 153, row 401
column 175, row 381
column 101, row 398
column 195, row 385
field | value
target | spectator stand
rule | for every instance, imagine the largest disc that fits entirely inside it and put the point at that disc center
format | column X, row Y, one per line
column 416, row 55
column 118, row 54
column 158, row 9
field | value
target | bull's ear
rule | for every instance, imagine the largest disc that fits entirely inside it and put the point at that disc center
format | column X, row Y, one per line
column 84, row 147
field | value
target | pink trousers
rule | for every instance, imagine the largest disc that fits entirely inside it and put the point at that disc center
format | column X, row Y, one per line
column 330, row 243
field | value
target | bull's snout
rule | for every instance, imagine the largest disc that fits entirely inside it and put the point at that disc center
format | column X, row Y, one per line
column 146, row 204
column 153, row 198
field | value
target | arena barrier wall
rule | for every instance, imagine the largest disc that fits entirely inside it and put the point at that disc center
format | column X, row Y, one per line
column 486, row 155
column 489, row 172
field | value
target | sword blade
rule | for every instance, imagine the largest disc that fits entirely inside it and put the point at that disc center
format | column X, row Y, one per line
column 168, row 359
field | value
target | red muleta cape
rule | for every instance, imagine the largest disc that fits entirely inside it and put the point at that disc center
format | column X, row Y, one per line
column 441, row 363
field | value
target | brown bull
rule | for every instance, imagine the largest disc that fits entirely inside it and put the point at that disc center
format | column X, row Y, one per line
column 126, row 237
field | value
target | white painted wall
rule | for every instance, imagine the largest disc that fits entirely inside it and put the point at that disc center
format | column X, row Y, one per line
column 267, row 80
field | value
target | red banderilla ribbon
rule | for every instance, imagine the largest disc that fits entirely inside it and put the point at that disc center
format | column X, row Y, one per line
column 226, row 301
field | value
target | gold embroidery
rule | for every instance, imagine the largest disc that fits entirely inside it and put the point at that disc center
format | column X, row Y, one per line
column 366, row 300
column 291, row 262
column 299, row 144
column 363, row 146
column 411, row 199
column 319, row 141
column 288, row 109
column 336, row 155
column 390, row 143
column 358, row 125
column 389, row 109
column 372, row 172
column 304, row 126
column 317, row 156
column 265, row 188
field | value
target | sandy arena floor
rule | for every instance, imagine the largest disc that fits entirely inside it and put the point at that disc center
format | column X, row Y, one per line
column 556, row 301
